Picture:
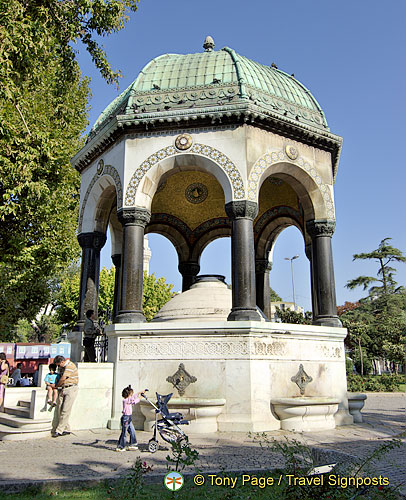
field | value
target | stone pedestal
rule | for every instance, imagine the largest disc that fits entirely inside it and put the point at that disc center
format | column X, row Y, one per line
column 356, row 402
column 247, row 364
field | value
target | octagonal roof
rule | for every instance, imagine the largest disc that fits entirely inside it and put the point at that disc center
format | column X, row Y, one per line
column 213, row 80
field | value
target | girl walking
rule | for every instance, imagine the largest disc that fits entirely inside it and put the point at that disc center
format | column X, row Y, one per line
column 129, row 400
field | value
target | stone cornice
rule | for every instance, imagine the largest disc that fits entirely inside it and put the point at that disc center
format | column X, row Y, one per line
column 234, row 113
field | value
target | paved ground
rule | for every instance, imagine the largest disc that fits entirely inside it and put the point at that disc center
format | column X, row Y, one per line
column 91, row 455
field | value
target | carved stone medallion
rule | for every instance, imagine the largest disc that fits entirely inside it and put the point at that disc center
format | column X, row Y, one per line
column 100, row 167
column 291, row 152
column 183, row 142
column 301, row 379
column 196, row 192
column 181, row 379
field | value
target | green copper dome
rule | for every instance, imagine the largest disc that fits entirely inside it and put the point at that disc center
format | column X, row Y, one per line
column 173, row 86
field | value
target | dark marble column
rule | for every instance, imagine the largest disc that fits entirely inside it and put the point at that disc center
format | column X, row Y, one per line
column 116, row 258
column 91, row 244
column 308, row 251
column 262, row 269
column 134, row 221
column 189, row 271
column 242, row 214
column 321, row 232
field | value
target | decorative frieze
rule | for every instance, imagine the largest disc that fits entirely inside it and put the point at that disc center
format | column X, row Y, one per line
column 225, row 348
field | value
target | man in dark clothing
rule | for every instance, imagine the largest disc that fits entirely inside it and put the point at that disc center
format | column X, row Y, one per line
column 91, row 331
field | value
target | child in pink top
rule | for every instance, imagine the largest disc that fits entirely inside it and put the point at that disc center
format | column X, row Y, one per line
column 129, row 400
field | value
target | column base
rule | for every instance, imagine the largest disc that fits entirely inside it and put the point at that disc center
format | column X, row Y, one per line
column 130, row 317
column 328, row 321
column 240, row 314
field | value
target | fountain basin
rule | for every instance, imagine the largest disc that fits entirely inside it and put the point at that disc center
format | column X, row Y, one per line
column 356, row 402
column 202, row 413
column 306, row 414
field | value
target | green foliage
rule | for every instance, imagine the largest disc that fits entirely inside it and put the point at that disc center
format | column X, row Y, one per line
column 132, row 484
column 374, row 383
column 274, row 296
column 182, row 455
column 384, row 255
column 300, row 459
column 288, row 316
column 43, row 113
column 157, row 292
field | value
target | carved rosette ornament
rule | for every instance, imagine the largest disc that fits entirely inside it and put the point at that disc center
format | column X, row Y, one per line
column 317, row 228
column 301, row 379
column 181, row 379
column 291, row 152
column 242, row 209
column 134, row 216
column 183, row 142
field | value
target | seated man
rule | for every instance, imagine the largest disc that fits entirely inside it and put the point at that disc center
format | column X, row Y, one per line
column 25, row 381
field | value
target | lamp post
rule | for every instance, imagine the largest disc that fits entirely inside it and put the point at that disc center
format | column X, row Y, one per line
column 293, row 281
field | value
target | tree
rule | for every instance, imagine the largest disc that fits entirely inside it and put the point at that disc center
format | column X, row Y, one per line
column 377, row 324
column 43, row 112
column 156, row 294
column 384, row 255
column 274, row 296
column 289, row 316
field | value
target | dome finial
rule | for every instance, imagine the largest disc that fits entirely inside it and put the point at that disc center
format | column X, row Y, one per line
column 208, row 44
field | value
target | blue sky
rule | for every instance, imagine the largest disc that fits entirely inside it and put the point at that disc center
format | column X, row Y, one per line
column 350, row 54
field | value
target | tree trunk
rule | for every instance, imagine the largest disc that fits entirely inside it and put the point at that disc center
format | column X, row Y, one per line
column 361, row 357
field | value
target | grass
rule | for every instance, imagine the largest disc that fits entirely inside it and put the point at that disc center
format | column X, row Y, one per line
column 158, row 491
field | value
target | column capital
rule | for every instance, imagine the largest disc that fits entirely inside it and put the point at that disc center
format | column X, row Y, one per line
column 95, row 240
column 262, row 265
column 134, row 216
column 116, row 258
column 189, row 268
column 324, row 227
column 242, row 209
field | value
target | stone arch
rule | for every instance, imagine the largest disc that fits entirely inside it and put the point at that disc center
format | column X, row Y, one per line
column 99, row 183
column 316, row 197
column 270, row 233
column 174, row 236
column 205, row 157
column 206, row 239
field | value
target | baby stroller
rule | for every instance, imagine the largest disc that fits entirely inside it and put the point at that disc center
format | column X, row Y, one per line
column 167, row 425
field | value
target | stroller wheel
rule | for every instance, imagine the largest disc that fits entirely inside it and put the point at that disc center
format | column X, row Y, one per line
column 153, row 445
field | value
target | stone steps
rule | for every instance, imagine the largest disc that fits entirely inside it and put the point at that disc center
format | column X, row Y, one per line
column 16, row 424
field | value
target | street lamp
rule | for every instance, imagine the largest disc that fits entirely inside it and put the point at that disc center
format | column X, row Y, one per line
column 293, row 281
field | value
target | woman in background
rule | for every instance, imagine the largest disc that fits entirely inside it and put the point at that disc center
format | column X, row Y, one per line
column 4, row 372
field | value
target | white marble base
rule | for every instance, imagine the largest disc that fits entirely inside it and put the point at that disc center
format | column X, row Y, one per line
column 247, row 364
column 306, row 414
column 356, row 402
